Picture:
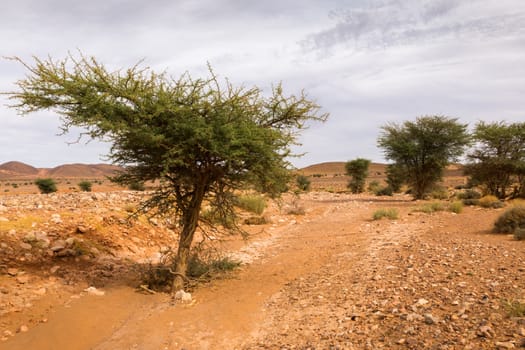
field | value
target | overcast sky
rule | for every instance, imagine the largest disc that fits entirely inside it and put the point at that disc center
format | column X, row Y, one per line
column 366, row 62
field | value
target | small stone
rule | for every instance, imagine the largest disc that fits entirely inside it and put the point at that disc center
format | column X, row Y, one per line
column 41, row 291
column 422, row 302
column 504, row 345
column 26, row 246
column 54, row 269
column 22, row 279
column 23, row 329
column 66, row 252
column 8, row 334
column 3, row 219
column 485, row 332
column 82, row 229
column 94, row 291
column 12, row 271
column 430, row 319
column 183, row 296
column 59, row 244
column 70, row 241
column 521, row 331
column 56, row 219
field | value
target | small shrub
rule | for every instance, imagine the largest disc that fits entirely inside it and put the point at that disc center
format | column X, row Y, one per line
column 514, row 308
column 439, row 193
column 519, row 234
column 490, row 201
column 456, row 207
column 252, row 203
column 430, row 208
column 391, row 214
column 303, row 183
column 136, row 186
column 85, row 186
column 256, row 220
column 385, row 191
column 469, row 197
column 198, row 268
column 46, row 185
column 511, row 220
column 15, row 185
column 214, row 217
column 374, row 186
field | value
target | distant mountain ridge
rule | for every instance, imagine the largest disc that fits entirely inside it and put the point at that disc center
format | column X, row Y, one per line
column 17, row 170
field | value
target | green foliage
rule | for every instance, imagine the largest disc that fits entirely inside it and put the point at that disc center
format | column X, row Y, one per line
column 256, row 220
column 395, row 177
column 199, row 139
column 384, row 191
column 456, row 207
column 199, row 268
column 252, row 203
column 357, row 169
column 303, row 183
column 136, row 185
column 511, row 220
column 85, row 186
column 390, row 213
column 514, row 308
column 46, row 185
column 469, row 197
column 432, row 207
column 374, row 186
column 423, row 149
column 519, row 234
column 439, row 192
column 490, row 201
column 214, row 217
column 498, row 161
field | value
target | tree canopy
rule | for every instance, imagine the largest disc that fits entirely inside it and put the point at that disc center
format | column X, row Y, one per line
column 423, row 148
column 358, row 170
column 200, row 139
column 498, row 160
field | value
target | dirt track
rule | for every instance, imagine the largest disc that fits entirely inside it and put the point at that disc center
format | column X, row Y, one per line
column 332, row 279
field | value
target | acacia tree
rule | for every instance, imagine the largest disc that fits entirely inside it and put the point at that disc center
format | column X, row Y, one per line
column 498, row 161
column 423, row 149
column 358, row 170
column 200, row 139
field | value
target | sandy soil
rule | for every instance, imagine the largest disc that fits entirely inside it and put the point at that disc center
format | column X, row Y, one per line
column 329, row 279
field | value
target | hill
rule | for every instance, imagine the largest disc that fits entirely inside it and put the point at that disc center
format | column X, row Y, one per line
column 18, row 170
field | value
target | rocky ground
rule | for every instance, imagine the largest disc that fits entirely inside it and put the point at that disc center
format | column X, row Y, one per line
column 329, row 279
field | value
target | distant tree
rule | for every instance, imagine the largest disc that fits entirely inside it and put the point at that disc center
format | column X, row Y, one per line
column 199, row 139
column 395, row 177
column 498, row 160
column 46, row 185
column 358, row 170
column 423, row 149
column 85, row 186
column 303, row 183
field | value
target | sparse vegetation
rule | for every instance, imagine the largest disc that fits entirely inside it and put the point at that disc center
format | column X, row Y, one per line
column 251, row 202
column 439, row 192
column 46, row 185
column 511, row 220
column 200, row 268
column 422, row 149
column 303, row 183
column 85, row 186
column 519, row 234
column 456, row 207
column 374, row 187
column 469, row 197
column 256, row 220
column 390, row 213
column 431, row 207
column 137, row 186
column 514, row 308
column 357, row 169
column 490, row 201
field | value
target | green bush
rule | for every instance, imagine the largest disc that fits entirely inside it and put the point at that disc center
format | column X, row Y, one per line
column 519, row 234
column 256, row 220
column 374, row 186
column 432, row 207
column 252, row 203
column 214, row 217
column 469, row 197
column 47, row 185
column 198, row 267
column 511, row 220
column 385, row 191
column 456, row 207
column 490, row 201
column 136, row 186
column 85, row 186
column 391, row 213
column 439, row 193
column 303, row 183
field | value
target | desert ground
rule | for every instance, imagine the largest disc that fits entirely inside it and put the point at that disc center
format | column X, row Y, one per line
column 328, row 278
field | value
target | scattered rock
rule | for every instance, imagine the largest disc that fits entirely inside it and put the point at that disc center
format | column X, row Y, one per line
column 94, row 291
column 23, row 279
column 23, row 329
column 26, row 246
column 504, row 345
column 183, row 296
column 485, row 332
column 430, row 319
column 12, row 271
column 59, row 244
column 82, row 229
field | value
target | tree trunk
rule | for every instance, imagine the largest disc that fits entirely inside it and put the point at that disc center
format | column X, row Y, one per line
column 190, row 220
